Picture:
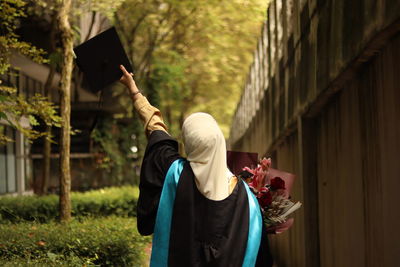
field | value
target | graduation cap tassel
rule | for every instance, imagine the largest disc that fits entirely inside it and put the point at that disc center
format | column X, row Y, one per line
column 99, row 106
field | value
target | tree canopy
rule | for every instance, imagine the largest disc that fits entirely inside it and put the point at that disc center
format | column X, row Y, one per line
column 191, row 55
column 187, row 56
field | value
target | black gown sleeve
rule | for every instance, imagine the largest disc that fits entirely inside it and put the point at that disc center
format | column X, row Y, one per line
column 161, row 152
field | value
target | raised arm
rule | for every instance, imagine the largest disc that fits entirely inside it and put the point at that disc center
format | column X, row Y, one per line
column 149, row 115
column 161, row 152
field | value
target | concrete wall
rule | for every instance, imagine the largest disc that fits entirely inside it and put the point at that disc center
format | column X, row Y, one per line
column 323, row 99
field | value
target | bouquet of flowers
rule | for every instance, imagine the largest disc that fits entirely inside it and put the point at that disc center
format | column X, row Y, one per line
column 272, row 193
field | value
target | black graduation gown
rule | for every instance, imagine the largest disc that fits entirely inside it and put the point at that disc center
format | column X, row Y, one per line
column 203, row 232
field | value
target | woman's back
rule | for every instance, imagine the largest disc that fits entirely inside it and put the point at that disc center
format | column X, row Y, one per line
column 189, row 205
column 206, row 232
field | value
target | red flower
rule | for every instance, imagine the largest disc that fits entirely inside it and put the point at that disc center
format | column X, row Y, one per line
column 277, row 183
column 264, row 197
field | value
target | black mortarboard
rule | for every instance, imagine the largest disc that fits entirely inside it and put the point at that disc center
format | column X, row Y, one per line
column 99, row 59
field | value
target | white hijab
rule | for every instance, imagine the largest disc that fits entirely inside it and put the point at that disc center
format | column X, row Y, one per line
column 206, row 151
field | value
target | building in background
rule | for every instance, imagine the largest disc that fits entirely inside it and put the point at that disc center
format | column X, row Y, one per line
column 20, row 161
column 15, row 166
column 323, row 100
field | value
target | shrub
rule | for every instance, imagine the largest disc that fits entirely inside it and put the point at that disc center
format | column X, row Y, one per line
column 119, row 201
column 110, row 241
column 56, row 261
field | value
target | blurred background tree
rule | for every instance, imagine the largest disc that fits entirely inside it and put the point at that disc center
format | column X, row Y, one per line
column 187, row 56
column 190, row 56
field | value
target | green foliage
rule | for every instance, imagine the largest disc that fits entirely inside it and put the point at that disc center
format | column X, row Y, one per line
column 169, row 78
column 203, row 47
column 114, row 140
column 10, row 12
column 14, row 107
column 187, row 56
column 110, row 241
column 120, row 201
column 50, row 259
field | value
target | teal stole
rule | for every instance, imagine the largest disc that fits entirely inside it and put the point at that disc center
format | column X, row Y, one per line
column 160, row 247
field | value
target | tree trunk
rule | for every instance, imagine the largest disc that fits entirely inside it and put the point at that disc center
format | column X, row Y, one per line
column 46, row 142
column 65, row 109
column 46, row 163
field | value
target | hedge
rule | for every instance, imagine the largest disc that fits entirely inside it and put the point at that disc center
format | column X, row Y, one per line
column 119, row 201
column 110, row 241
column 58, row 261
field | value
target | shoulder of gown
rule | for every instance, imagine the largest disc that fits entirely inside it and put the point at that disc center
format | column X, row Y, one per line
column 161, row 152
